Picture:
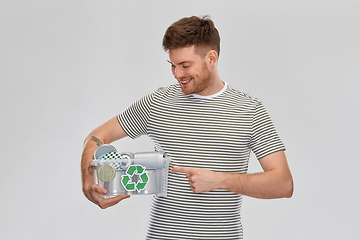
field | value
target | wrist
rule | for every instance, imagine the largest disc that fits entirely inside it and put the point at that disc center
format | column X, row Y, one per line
column 231, row 181
column 87, row 177
column 223, row 180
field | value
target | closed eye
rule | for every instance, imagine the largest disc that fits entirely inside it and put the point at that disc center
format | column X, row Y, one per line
column 172, row 65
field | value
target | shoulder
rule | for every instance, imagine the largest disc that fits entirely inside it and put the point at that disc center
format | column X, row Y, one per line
column 167, row 92
column 238, row 97
column 168, row 89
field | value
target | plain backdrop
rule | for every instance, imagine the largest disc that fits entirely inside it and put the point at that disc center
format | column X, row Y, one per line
column 68, row 66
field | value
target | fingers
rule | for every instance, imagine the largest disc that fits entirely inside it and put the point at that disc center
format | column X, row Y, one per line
column 190, row 174
column 182, row 170
column 200, row 180
column 104, row 203
column 98, row 189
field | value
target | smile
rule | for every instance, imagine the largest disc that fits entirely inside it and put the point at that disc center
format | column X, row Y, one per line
column 185, row 81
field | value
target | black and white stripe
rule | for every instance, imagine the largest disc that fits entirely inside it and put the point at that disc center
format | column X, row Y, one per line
column 215, row 133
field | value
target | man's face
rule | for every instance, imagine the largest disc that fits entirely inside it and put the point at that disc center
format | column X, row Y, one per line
column 191, row 71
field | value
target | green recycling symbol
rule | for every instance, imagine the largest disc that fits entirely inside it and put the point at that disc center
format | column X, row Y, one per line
column 130, row 172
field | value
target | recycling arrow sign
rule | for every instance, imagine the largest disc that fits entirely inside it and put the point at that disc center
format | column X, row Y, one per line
column 135, row 170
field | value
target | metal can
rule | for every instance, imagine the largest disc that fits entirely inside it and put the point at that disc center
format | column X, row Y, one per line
column 102, row 150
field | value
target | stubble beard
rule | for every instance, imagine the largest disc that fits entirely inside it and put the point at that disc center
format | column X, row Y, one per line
column 199, row 82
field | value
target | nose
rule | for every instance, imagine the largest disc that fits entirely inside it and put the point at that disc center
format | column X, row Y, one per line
column 178, row 73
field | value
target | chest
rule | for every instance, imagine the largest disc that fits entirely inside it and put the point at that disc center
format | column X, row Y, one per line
column 199, row 122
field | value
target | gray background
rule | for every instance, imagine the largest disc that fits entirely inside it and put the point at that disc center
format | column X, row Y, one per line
column 68, row 66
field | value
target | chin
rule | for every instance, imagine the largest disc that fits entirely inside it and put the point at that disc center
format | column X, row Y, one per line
column 186, row 92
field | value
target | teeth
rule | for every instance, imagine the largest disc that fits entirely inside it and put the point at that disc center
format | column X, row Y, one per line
column 185, row 81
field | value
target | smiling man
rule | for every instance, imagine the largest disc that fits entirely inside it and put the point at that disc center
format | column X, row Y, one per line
column 209, row 130
column 195, row 75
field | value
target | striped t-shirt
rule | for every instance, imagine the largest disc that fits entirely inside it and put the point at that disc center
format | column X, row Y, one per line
column 215, row 133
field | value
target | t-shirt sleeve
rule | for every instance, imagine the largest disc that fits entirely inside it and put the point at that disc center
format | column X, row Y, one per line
column 265, row 140
column 134, row 119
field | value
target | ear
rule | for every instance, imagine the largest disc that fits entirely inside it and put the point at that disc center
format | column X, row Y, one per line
column 211, row 58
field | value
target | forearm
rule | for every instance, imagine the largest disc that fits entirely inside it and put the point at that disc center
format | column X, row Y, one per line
column 265, row 185
column 90, row 145
column 275, row 182
column 104, row 134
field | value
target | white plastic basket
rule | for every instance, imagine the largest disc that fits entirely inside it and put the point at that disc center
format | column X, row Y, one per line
column 133, row 173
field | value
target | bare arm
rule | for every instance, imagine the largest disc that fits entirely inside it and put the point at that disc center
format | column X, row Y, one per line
column 275, row 182
column 104, row 134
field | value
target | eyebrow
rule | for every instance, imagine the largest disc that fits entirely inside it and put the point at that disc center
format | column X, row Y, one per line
column 180, row 63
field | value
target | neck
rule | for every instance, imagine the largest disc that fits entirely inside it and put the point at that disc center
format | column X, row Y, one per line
column 216, row 83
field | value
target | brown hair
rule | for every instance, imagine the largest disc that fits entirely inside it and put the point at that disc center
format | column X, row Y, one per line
column 189, row 31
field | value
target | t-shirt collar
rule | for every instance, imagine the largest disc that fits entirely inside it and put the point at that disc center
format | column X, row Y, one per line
column 210, row 96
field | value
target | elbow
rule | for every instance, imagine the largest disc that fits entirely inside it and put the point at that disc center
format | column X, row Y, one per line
column 285, row 187
column 289, row 188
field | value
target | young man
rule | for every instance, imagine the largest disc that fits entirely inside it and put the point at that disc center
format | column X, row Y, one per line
column 208, row 129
